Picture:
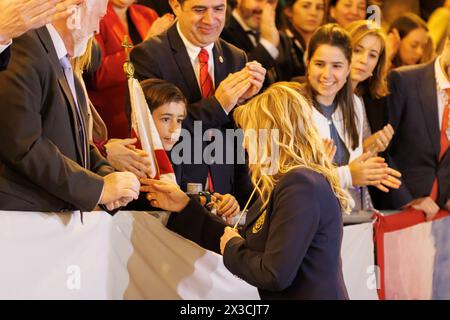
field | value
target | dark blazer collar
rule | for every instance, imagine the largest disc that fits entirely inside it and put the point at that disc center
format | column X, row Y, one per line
column 184, row 64
column 427, row 90
column 255, row 211
column 47, row 42
column 241, row 38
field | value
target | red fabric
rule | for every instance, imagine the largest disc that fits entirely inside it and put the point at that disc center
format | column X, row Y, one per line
column 207, row 89
column 206, row 83
column 108, row 87
column 164, row 166
column 101, row 146
column 444, row 143
column 398, row 221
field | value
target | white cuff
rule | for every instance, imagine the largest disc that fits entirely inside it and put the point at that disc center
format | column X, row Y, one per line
column 3, row 47
column 345, row 177
column 273, row 51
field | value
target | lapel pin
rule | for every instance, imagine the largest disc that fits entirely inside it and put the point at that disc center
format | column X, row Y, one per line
column 220, row 59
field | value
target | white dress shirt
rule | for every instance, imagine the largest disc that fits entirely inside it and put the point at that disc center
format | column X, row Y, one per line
column 3, row 47
column 58, row 42
column 193, row 52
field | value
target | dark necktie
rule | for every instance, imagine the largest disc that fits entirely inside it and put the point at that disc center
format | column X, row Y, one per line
column 68, row 72
column 207, row 88
column 255, row 34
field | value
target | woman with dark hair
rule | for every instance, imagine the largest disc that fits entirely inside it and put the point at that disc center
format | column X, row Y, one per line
column 339, row 114
column 344, row 12
column 369, row 69
column 301, row 18
column 415, row 45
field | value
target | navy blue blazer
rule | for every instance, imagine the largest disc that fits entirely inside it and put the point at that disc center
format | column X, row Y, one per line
column 165, row 57
column 292, row 250
column 415, row 147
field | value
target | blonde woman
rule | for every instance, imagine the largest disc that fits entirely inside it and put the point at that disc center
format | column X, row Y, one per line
column 290, row 245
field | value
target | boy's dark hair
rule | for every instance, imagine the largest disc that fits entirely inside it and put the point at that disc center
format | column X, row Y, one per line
column 158, row 92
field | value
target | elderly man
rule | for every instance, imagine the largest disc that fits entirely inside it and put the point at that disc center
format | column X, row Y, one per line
column 19, row 16
column 46, row 162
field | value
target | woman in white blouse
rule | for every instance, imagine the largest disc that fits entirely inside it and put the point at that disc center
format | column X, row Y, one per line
column 339, row 115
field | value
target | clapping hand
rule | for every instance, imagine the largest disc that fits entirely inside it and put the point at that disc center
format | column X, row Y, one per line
column 19, row 16
column 160, row 25
column 330, row 148
column 379, row 141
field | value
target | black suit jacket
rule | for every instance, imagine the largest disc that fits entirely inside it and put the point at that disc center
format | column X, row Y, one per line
column 376, row 111
column 415, row 147
column 291, row 251
column 41, row 166
column 283, row 68
column 165, row 57
column 4, row 58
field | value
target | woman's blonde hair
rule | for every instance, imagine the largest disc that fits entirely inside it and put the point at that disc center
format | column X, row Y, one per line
column 376, row 85
column 282, row 108
column 83, row 62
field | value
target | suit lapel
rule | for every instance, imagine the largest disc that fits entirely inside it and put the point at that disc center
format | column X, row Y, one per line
column 182, row 60
column 426, row 88
column 241, row 38
column 220, row 69
column 254, row 213
column 46, row 40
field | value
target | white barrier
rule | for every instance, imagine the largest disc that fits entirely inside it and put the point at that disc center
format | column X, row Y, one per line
column 132, row 256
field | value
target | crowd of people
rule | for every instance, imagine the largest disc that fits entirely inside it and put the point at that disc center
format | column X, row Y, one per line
column 360, row 115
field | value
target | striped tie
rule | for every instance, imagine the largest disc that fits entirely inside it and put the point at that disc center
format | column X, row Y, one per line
column 207, row 88
column 206, row 83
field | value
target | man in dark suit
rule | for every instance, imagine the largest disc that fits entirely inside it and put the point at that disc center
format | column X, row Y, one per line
column 46, row 162
column 19, row 16
column 176, row 56
column 419, row 113
column 251, row 27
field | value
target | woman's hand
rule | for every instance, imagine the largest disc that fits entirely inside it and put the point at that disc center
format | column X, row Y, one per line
column 379, row 141
column 123, row 156
column 165, row 195
column 367, row 170
column 330, row 148
column 227, row 235
column 391, row 181
column 227, row 206
column 160, row 25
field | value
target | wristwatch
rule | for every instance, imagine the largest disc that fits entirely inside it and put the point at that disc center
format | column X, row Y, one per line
column 207, row 196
